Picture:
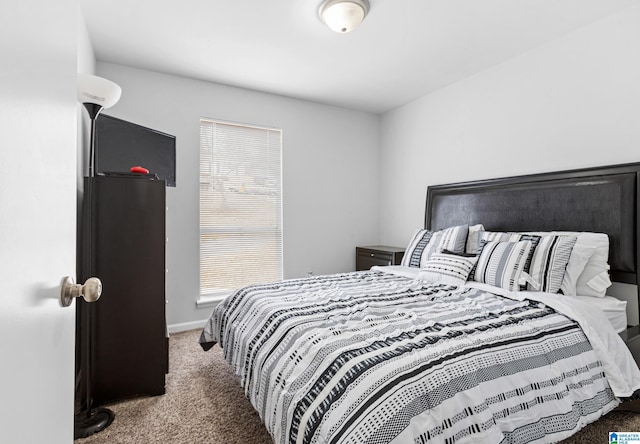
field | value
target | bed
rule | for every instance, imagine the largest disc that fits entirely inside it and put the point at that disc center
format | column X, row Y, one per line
column 470, row 339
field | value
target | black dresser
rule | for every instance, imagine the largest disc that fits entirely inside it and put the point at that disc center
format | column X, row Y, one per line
column 124, row 216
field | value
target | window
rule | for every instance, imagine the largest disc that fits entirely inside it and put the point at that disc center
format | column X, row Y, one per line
column 240, row 206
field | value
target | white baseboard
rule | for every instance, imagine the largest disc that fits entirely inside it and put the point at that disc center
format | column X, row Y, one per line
column 185, row 326
column 207, row 301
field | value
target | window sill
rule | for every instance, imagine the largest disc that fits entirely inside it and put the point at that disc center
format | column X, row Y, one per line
column 210, row 300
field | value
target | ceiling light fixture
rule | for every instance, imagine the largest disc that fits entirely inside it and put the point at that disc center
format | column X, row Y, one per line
column 343, row 15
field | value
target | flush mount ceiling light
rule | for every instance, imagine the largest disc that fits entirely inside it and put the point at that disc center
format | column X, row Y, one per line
column 343, row 15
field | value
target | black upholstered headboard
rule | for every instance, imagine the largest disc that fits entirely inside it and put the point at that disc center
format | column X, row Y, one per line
column 603, row 200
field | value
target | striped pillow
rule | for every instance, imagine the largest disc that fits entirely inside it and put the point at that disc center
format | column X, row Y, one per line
column 501, row 264
column 425, row 243
column 473, row 238
column 500, row 236
column 413, row 253
column 549, row 262
column 447, row 268
column 453, row 239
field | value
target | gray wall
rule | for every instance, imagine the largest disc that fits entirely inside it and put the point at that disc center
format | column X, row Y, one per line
column 330, row 173
column 571, row 103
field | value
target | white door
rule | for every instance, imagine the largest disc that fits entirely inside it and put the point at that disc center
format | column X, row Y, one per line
column 38, row 145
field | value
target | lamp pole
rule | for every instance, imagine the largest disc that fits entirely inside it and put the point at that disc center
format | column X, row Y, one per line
column 95, row 94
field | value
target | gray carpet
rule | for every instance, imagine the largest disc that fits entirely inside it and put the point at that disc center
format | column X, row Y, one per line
column 205, row 404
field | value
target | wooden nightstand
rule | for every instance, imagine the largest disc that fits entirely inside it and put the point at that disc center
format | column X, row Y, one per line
column 367, row 257
column 631, row 337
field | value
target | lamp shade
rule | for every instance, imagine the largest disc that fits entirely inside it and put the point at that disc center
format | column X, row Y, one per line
column 343, row 15
column 97, row 90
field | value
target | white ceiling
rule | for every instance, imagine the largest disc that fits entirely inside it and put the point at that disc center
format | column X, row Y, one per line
column 403, row 50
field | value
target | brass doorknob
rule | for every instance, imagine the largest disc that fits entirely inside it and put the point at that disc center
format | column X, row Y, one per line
column 90, row 291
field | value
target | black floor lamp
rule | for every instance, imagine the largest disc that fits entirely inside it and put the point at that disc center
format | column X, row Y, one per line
column 96, row 94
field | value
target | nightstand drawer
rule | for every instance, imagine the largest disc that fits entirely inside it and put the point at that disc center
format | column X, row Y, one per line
column 367, row 257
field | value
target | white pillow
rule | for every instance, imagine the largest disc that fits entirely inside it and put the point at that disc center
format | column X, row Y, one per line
column 580, row 255
column 595, row 280
column 587, row 272
column 447, row 268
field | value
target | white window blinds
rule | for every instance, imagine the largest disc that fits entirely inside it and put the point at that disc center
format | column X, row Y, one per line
column 240, row 206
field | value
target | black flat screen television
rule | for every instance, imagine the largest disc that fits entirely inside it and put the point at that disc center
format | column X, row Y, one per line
column 120, row 145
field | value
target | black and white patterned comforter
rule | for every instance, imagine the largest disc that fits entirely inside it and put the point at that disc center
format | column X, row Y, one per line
column 373, row 357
